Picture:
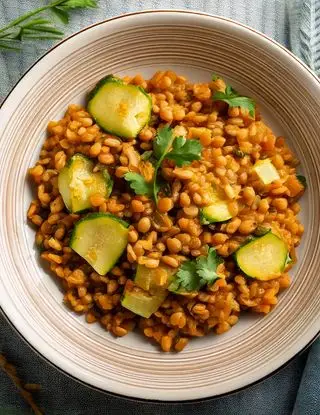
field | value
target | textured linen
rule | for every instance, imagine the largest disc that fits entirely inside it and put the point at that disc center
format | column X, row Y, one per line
column 295, row 389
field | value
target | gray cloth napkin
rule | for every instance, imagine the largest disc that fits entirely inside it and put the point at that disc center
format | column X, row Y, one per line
column 294, row 389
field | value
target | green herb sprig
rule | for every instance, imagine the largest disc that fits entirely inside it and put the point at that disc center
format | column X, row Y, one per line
column 165, row 146
column 197, row 273
column 233, row 98
column 27, row 27
column 302, row 180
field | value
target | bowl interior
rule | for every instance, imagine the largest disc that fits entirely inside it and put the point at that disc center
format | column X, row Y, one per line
column 194, row 45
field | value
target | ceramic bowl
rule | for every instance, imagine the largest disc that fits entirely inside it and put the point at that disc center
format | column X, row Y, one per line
column 196, row 45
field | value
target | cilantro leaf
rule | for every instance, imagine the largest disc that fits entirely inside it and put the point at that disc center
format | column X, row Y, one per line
column 161, row 146
column 162, row 142
column 194, row 274
column 207, row 266
column 302, row 180
column 215, row 77
column 233, row 99
column 184, row 151
column 146, row 155
column 186, row 279
column 139, row 184
column 239, row 153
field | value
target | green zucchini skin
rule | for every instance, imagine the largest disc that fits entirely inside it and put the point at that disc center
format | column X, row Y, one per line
column 262, row 257
column 100, row 242
column 217, row 211
column 101, row 83
column 69, row 173
column 214, row 213
column 123, row 123
column 96, row 215
column 140, row 301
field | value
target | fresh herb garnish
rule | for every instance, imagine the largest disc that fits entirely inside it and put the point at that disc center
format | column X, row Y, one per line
column 184, row 151
column 139, row 184
column 233, row 99
column 302, row 180
column 162, row 143
column 146, row 155
column 207, row 267
column 186, row 279
column 165, row 146
column 215, row 77
column 239, row 153
column 194, row 274
column 26, row 27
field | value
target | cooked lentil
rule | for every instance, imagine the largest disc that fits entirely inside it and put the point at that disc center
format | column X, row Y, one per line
column 170, row 232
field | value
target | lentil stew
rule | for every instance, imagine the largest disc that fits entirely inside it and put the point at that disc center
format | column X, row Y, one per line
column 172, row 234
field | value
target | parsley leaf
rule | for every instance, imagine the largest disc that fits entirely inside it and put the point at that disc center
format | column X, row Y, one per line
column 162, row 142
column 161, row 146
column 215, row 77
column 139, row 184
column 184, row 151
column 239, row 153
column 146, row 155
column 194, row 274
column 233, row 99
column 302, row 180
column 186, row 279
column 207, row 267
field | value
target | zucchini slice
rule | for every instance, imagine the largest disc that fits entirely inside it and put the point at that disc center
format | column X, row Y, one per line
column 153, row 280
column 217, row 211
column 140, row 301
column 264, row 258
column 266, row 171
column 100, row 238
column 77, row 183
column 119, row 108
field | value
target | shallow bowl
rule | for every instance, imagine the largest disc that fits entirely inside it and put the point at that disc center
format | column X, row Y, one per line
column 196, row 45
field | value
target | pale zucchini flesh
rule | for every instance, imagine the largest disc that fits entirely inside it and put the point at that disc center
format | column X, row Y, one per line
column 100, row 239
column 218, row 210
column 266, row 171
column 77, row 183
column 153, row 279
column 140, row 301
column 264, row 258
column 119, row 108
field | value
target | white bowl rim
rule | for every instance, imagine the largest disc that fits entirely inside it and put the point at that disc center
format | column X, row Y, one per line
column 9, row 316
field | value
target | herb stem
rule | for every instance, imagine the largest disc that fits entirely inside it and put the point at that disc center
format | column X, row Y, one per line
column 157, row 166
column 30, row 14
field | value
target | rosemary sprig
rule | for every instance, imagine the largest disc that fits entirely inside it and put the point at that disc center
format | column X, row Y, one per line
column 26, row 27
